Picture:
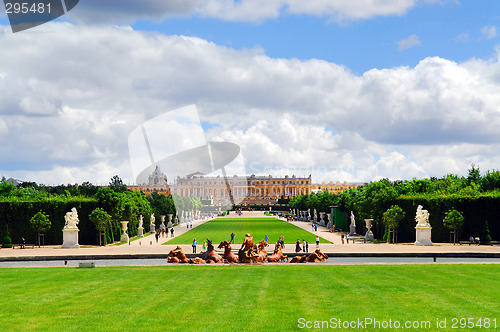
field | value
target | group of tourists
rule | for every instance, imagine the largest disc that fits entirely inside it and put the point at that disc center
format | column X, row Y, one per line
column 305, row 246
column 346, row 236
column 163, row 232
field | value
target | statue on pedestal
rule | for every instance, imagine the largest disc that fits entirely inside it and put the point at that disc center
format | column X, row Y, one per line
column 141, row 221
column 423, row 228
column 70, row 230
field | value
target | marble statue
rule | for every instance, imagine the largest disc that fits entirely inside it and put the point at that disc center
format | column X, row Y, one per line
column 141, row 220
column 152, row 219
column 71, row 219
column 422, row 217
column 353, row 220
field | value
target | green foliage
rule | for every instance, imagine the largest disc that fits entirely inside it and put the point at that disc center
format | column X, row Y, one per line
column 477, row 197
column 6, row 242
column 101, row 219
column 391, row 219
column 40, row 222
column 453, row 220
column 5, row 188
column 485, row 236
column 491, row 181
column 393, row 216
column 117, row 185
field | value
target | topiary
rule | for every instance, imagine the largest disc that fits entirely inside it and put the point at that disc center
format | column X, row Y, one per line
column 6, row 242
column 486, row 238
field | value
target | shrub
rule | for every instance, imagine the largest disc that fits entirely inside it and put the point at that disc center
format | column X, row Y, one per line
column 6, row 242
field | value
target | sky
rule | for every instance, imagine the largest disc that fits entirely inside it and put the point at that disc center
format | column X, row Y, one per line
column 344, row 90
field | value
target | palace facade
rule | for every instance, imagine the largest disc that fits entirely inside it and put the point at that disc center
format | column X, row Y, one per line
column 245, row 190
column 253, row 189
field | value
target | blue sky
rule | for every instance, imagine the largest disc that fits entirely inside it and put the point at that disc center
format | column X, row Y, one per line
column 344, row 90
column 451, row 30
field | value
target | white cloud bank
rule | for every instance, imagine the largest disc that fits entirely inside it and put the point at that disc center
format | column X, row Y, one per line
column 70, row 98
column 127, row 11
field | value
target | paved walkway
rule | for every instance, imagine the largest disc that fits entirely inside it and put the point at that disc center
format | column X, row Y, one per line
column 148, row 245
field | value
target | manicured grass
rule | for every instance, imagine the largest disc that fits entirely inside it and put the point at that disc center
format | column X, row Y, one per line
column 250, row 298
column 220, row 229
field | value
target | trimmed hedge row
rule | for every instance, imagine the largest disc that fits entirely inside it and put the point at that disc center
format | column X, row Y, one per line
column 476, row 210
column 15, row 216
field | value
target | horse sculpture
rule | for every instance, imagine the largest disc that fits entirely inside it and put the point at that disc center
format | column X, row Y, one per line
column 317, row 256
column 228, row 256
column 298, row 259
column 262, row 252
column 211, row 256
column 277, row 255
column 177, row 256
column 248, row 250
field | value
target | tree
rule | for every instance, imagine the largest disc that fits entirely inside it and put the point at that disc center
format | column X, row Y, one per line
column 453, row 220
column 485, row 236
column 5, row 187
column 391, row 218
column 117, row 184
column 474, row 174
column 40, row 223
column 101, row 220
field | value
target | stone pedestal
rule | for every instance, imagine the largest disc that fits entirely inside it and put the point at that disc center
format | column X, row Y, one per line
column 423, row 236
column 140, row 231
column 352, row 230
column 152, row 228
column 70, row 238
column 169, row 224
column 124, row 237
column 369, row 233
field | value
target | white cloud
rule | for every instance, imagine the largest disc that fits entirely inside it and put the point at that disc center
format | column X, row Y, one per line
column 128, row 11
column 409, row 42
column 489, row 32
column 89, row 87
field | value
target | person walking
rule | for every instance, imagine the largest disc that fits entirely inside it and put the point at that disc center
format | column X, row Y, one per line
column 232, row 238
column 266, row 238
column 342, row 237
column 347, row 238
column 297, row 246
column 172, row 232
column 157, row 235
column 307, row 247
column 317, row 242
column 303, row 245
column 195, row 243
column 204, row 246
column 282, row 242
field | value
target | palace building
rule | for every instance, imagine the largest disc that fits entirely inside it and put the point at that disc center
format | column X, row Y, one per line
column 253, row 189
column 245, row 190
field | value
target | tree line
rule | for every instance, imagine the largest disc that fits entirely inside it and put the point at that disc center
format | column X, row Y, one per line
column 464, row 205
column 28, row 210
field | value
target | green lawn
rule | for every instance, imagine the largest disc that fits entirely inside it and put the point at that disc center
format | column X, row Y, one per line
column 243, row 297
column 220, row 229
